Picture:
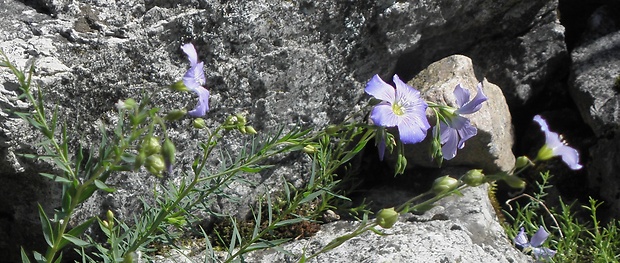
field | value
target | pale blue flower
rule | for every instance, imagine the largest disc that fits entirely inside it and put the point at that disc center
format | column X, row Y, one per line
column 400, row 107
column 554, row 146
column 455, row 129
column 534, row 246
column 194, row 79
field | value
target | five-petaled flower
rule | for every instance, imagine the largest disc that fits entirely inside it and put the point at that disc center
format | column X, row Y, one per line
column 454, row 129
column 400, row 107
column 554, row 146
column 534, row 245
column 194, row 78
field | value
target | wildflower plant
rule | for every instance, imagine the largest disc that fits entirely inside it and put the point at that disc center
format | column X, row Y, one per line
column 140, row 140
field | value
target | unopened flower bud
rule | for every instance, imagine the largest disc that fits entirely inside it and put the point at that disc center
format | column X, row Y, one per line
column 309, row 149
column 179, row 86
column 514, row 181
column 242, row 129
column 522, row 161
column 250, row 130
column 444, row 184
column 105, row 224
column 474, row 177
column 110, row 218
column 155, row 164
column 401, row 164
column 545, row 153
column 230, row 120
column 128, row 104
column 240, row 119
column 175, row 115
column 199, row 123
column 150, row 146
column 140, row 158
column 168, row 151
column 332, row 129
column 130, row 257
column 387, row 217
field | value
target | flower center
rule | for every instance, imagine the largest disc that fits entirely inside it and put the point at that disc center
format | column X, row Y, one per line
column 398, row 109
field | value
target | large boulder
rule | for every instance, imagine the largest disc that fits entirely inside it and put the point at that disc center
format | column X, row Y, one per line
column 280, row 62
column 595, row 86
column 491, row 148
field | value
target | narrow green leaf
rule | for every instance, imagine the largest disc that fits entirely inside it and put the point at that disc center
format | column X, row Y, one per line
column 48, row 233
column 266, row 244
column 25, row 258
column 59, row 259
column 311, row 196
column 81, row 228
column 66, row 200
column 56, row 178
column 289, row 222
column 102, row 186
column 257, row 220
column 38, row 257
column 255, row 169
column 76, row 241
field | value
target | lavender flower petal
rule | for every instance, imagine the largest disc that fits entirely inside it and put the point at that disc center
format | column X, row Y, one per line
column 377, row 88
column 190, row 51
column 475, row 104
column 539, row 238
column 203, row 103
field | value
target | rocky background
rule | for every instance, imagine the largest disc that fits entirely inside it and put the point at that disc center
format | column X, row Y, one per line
column 306, row 63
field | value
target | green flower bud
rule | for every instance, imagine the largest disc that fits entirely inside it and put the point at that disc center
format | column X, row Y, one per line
column 387, row 217
column 175, row 115
column 514, row 182
column 474, row 177
column 151, row 146
column 155, row 164
column 140, row 158
column 250, row 130
column 110, row 218
column 444, row 184
column 240, row 119
column 199, row 123
column 309, row 149
column 168, row 151
column 128, row 104
column 545, row 153
column 130, row 257
column 522, row 161
column 179, row 86
column 332, row 129
column 242, row 129
column 230, row 120
column 401, row 164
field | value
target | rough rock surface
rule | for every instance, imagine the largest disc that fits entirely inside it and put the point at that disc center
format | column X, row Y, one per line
column 491, row 148
column 303, row 62
column 458, row 229
column 595, row 86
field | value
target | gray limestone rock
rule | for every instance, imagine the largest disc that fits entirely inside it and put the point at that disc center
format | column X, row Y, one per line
column 280, row 62
column 519, row 45
column 491, row 148
column 595, row 87
column 459, row 229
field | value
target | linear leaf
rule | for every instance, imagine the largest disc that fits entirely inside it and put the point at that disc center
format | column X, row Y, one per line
column 48, row 233
column 25, row 258
column 266, row 244
column 76, row 241
column 56, row 178
column 289, row 221
column 102, row 186
column 311, row 196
